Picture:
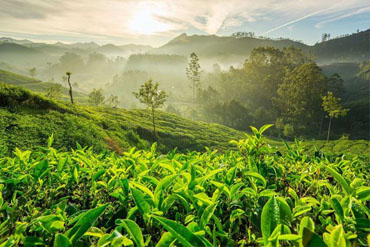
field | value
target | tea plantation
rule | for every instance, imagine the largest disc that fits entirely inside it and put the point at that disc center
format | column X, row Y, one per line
column 250, row 196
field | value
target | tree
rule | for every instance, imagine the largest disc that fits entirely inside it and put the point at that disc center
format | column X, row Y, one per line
column 113, row 101
column 150, row 95
column 54, row 92
column 70, row 85
column 331, row 105
column 325, row 37
column 193, row 72
column 96, row 97
column 32, row 72
column 300, row 96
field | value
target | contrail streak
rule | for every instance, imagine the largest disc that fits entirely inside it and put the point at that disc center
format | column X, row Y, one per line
column 294, row 21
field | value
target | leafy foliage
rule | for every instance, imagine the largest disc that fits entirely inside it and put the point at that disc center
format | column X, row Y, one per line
column 249, row 197
column 152, row 97
column 96, row 97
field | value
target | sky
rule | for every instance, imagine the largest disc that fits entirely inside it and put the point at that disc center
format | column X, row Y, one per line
column 155, row 22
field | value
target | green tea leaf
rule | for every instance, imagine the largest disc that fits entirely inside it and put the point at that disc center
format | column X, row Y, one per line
column 163, row 184
column 308, row 223
column 84, row 223
column 134, row 230
column 30, row 241
column 40, row 168
column 98, row 174
column 337, row 237
column 340, row 180
column 311, row 239
column 270, row 218
column 61, row 241
column 181, row 233
column 140, row 202
column 289, row 237
column 338, row 209
column 256, row 176
column 207, row 215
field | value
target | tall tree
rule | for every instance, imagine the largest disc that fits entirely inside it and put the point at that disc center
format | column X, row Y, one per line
column 300, row 96
column 193, row 72
column 150, row 95
column 96, row 97
column 70, row 85
column 331, row 105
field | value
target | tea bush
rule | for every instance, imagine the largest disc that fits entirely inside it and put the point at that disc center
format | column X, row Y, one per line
column 254, row 196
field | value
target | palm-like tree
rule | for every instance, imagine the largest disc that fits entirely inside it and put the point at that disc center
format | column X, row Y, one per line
column 70, row 86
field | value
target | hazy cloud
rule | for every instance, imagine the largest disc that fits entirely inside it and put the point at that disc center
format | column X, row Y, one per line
column 107, row 20
column 343, row 16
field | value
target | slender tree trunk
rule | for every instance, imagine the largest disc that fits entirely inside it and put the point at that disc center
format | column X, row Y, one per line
column 321, row 120
column 153, row 121
column 327, row 139
column 70, row 89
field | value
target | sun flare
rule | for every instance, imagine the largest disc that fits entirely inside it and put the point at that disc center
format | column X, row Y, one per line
column 144, row 22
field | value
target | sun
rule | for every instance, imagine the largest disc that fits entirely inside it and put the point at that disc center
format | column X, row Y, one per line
column 144, row 22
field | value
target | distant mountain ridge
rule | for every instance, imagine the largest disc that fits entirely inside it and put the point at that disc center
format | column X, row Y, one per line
column 349, row 48
column 354, row 47
column 59, row 48
column 212, row 45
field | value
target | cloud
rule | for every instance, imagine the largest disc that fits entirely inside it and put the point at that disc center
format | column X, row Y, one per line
column 296, row 20
column 108, row 20
column 342, row 16
column 25, row 10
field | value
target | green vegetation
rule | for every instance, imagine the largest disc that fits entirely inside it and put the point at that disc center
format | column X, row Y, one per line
column 193, row 73
column 333, row 108
column 54, row 92
column 150, row 95
column 96, row 97
column 36, row 85
column 27, row 119
column 252, row 196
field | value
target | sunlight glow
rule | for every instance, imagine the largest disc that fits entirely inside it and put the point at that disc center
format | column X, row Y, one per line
column 144, row 22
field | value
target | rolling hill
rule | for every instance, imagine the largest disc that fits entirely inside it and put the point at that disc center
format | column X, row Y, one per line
column 28, row 119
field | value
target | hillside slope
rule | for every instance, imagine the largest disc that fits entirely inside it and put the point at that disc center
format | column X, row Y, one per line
column 27, row 120
column 36, row 85
column 354, row 47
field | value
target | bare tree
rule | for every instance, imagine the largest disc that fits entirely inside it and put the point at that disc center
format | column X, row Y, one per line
column 70, row 85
